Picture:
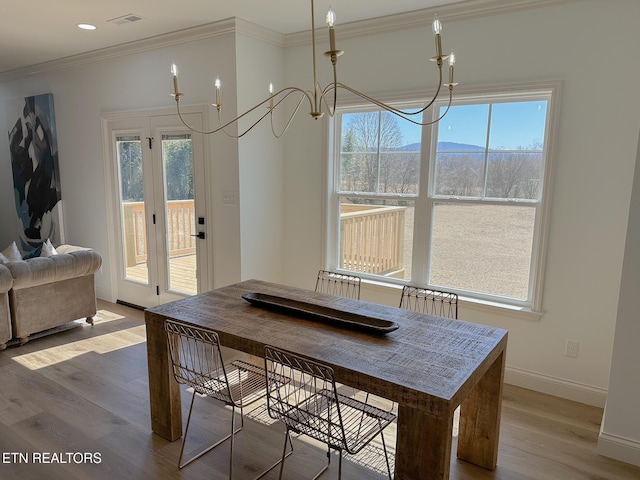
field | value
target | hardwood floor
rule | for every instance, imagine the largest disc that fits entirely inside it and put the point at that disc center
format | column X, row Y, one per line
column 75, row 406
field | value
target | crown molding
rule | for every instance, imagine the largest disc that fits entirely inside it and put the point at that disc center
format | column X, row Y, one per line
column 229, row 26
column 217, row 29
column 462, row 10
column 458, row 11
column 259, row 32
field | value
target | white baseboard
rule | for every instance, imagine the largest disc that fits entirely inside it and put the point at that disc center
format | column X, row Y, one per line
column 619, row 448
column 556, row 386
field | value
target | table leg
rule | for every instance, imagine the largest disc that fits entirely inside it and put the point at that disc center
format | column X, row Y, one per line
column 164, row 391
column 423, row 445
column 480, row 418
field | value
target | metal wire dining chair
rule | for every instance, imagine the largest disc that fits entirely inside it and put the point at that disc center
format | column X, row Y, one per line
column 339, row 284
column 311, row 405
column 432, row 302
column 197, row 361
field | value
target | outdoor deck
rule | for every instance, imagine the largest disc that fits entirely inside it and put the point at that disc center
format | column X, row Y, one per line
column 182, row 274
column 373, row 240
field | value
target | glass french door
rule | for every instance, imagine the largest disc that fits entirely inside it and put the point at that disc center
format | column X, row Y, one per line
column 160, row 210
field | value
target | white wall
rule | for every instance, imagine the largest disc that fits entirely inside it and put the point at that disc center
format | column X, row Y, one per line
column 596, row 152
column 619, row 433
column 129, row 82
column 596, row 145
column 275, row 229
column 260, row 61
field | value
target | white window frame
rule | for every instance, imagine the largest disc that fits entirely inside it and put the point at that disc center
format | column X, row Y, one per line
column 424, row 201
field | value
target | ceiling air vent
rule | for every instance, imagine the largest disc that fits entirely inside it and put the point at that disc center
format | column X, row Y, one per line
column 125, row 19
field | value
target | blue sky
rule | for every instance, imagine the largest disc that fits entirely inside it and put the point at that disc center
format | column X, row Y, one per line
column 514, row 125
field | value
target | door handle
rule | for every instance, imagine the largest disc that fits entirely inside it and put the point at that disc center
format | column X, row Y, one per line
column 200, row 235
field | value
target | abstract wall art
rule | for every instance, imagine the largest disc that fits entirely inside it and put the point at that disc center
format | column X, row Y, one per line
column 36, row 178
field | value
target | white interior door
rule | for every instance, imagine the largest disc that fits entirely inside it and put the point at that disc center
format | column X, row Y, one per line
column 160, row 208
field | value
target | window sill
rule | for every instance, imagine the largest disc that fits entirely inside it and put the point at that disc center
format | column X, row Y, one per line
column 381, row 291
column 503, row 309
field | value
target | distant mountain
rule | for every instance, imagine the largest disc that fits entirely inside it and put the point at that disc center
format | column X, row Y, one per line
column 458, row 147
column 413, row 147
column 444, row 147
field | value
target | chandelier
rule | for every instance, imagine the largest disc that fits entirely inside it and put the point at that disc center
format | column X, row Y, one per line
column 320, row 98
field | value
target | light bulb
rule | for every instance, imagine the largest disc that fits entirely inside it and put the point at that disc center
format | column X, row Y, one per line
column 437, row 26
column 452, row 61
column 331, row 18
column 271, row 96
column 218, row 103
column 176, row 88
column 331, row 21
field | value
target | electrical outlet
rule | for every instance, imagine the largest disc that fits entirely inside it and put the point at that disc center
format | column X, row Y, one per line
column 571, row 348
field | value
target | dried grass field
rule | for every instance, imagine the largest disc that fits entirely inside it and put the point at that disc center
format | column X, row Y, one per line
column 482, row 248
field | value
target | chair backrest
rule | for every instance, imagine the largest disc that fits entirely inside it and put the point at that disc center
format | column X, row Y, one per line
column 432, row 302
column 339, row 284
column 309, row 403
column 197, row 360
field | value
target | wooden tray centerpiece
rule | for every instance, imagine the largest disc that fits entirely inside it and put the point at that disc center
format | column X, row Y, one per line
column 322, row 313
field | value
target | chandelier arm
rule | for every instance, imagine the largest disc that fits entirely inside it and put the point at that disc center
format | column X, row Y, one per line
column 332, row 86
column 186, row 124
column 335, row 90
column 400, row 113
column 323, row 97
column 436, row 94
column 319, row 95
column 231, row 135
column 390, row 108
column 292, row 90
column 315, row 106
column 433, row 122
column 287, row 92
column 221, row 128
column 383, row 106
column 433, row 99
column 286, row 127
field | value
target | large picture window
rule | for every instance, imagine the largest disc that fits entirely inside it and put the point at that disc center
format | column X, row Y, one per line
column 457, row 206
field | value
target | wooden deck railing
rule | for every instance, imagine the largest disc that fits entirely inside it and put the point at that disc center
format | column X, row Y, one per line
column 372, row 238
column 180, row 225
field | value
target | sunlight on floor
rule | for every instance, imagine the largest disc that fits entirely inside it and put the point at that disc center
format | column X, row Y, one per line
column 97, row 342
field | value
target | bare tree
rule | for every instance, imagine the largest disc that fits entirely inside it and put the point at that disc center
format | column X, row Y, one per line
column 505, row 174
column 515, row 174
column 371, row 168
column 459, row 174
column 403, row 175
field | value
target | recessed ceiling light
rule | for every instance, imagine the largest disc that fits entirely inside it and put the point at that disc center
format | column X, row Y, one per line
column 86, row 26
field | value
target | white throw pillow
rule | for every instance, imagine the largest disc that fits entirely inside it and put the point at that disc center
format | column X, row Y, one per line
column 11, row 253
column 47, row 249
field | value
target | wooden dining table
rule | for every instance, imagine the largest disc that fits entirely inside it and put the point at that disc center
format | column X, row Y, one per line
column 429, row 365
